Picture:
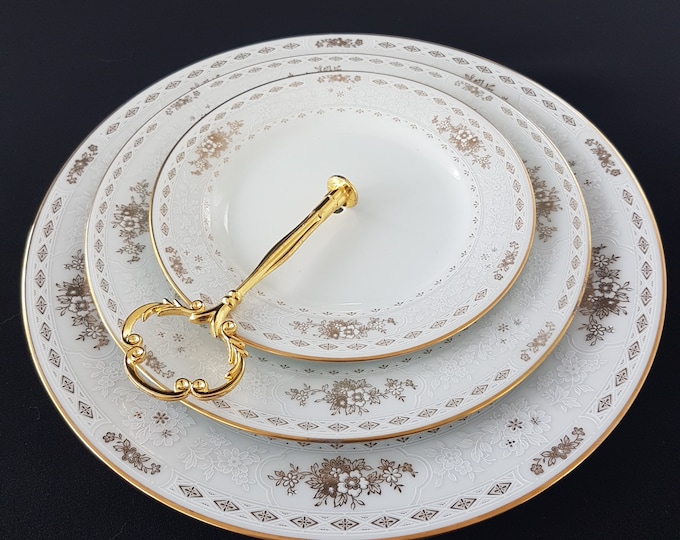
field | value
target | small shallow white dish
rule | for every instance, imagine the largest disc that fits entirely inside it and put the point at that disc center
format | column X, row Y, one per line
column 342, row 401
column 443, row 227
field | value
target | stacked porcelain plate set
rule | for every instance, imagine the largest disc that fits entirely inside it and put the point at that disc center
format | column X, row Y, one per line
column 351, row 286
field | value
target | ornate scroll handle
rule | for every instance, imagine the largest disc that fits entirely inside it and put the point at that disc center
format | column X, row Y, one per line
column 341, row 193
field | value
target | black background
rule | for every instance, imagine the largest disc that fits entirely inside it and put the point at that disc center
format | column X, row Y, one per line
column 64, row 66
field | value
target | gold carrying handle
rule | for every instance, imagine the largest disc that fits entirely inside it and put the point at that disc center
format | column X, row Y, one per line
column 341, row 193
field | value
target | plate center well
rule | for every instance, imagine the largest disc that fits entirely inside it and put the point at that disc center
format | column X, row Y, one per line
column 413, row 225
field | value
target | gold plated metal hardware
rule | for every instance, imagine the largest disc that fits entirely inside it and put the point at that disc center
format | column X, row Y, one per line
column 341, row 193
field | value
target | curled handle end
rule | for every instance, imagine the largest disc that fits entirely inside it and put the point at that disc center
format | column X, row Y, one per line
column 136, row 353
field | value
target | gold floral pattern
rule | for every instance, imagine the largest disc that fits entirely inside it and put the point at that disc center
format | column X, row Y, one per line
column 76, row 299
column 344, row 481
column 177, row 265
column 339, row 78
column 131, row 454
column 547, row 202
column 132, row 221
column 603, row 156
column 540, row 341
column 507, row 261
column 351, row 396
column 561, row 451
column 214, row 145
column 462, row 137
column 80, row 164
column 605, row 295
column 181, row 102
column 155, row 365
column 472, row 85
column 347, row 329
column 340, row 42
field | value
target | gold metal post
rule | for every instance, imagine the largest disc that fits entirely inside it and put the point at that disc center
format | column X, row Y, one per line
column 341, row 193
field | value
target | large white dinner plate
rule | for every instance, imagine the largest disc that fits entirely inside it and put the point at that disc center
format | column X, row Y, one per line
column 443, row 227
column 409, row 487
column 313, row 400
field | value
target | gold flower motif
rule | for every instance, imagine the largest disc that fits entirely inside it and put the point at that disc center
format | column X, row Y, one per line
column 606, row 294
column 214, row 145
column 131, row 454
column 132, row 221
column 343, row 481
column 75, row 299
column 560, row 451
column 350, row 396
column 462, row 137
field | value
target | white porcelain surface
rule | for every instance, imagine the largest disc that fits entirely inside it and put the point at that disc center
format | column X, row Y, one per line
column 411, row 486
column 350, row 401
column 443, row 227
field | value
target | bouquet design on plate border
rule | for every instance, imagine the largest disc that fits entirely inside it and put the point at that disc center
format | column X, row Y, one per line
column 76, row 299
column 132, row 221
column 351, row 396
column 605, row 295
column 345, row 481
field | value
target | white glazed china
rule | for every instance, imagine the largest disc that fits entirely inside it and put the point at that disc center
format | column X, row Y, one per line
column 406, row 487
column 444, row 223
column 306, row 400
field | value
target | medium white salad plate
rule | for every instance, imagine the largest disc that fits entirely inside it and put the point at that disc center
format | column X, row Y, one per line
column 407, row 487
column 444, row 223
column 344, row 401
